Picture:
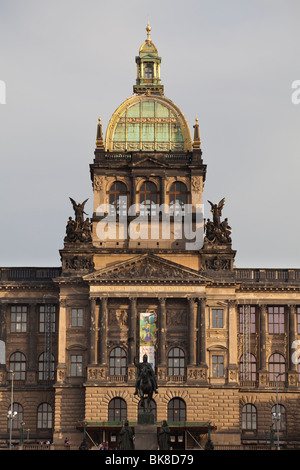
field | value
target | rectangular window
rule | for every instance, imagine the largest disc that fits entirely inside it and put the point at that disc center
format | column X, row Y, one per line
column 18, row 319
column 217, row 318
column 276, row 320
column 247, row 318
column 218, row 366
column 77, row 317
column 47, row 318
column 76, row 365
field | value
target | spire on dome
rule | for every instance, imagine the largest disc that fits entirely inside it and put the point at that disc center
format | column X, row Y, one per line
column 148, row 29
column 99, row 138
column 196, row 141
column 148, row 68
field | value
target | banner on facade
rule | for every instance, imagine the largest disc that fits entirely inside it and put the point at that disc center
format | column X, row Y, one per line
column 147, row 336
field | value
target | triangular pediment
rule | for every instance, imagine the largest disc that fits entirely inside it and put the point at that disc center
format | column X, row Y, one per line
column 146, row 268
column 149, row 162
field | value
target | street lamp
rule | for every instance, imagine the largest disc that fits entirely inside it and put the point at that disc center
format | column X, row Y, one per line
column 11, row 414
column 276, row 415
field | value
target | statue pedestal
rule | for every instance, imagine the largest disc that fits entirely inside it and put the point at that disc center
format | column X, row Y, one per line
column 145, row 432
column 145, row 437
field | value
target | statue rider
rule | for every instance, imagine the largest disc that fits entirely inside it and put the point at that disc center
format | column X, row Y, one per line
column 145, row 366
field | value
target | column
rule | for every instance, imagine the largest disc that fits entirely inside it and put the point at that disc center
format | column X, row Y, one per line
column 232, row 332
column 162, row 332
column 192, row 330
column 32, row 336
column 103, row 331
column 162, row 190
column 3, row 317
column 132, row 331
column 61, row 366
column 201, row 332
column 292, row 336
column 133, row 191
column 263, row 338
column 232, row 342
column 93, row 349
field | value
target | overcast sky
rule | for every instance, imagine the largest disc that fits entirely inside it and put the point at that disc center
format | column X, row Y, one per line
column 231, row 63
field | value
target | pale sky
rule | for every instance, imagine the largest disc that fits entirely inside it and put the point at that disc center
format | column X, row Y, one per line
column 231, row 63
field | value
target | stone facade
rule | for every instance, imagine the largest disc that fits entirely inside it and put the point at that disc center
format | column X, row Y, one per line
column 224, row 339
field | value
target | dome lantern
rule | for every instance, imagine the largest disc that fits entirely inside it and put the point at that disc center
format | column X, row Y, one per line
column 148, row 68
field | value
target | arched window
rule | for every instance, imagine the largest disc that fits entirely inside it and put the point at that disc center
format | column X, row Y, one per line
column 44, row 416
column 176, row 410
column 176, row 362
column 249, row 417
column 46, row 367
column 117, row 362
column 148, row 198
column 17, row 416
column 118, row 199
column 177, row 198
column 282, row 416
column 17, row 364
column 248, row 368
column 117, row 410
column 277, row 366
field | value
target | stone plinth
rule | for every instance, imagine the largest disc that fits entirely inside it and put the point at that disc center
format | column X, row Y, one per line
column 145, row 437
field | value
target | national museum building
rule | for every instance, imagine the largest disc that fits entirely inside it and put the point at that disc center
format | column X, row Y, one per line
column 146, row 275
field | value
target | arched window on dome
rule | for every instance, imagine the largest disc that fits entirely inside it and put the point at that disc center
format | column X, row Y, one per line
column 148, row 198
column 178, row 198
column 118, row 198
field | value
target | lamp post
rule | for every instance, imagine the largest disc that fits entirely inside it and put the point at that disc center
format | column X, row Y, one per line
column 11, row 414
column 276, row 415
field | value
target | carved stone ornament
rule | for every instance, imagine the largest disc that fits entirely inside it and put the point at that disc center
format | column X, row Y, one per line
column 196, row 184
column 96, row 373
column 176, row 317
column 99, row 182
column 197, row 374
column 144, row 268
column 118, row 317
column 218, row 264
column 79, row 263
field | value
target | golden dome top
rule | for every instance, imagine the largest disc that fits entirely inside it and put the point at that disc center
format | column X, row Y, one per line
column 148, row 46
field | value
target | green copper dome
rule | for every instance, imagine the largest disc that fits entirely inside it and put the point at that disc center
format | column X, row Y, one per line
column 148, row 121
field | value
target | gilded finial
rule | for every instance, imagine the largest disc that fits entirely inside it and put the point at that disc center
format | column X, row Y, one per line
column 148, row 29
